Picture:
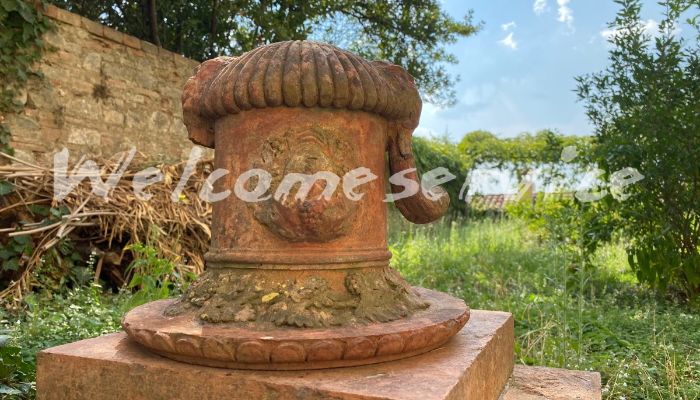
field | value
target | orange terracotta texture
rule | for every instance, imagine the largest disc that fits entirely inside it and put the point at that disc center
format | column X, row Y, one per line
column 475, row 364
column 542, row 383
column 245, row 347
column 311, row 269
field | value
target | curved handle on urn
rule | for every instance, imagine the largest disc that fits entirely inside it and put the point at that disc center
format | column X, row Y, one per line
column 418, row 208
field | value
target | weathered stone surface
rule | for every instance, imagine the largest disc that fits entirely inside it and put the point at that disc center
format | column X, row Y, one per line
column 298, row 73
column 302, row 300
column 475, row 364
column 303, row 74
column 541, row 383
column 262, row 344
column 308, row 255
column 95, row 76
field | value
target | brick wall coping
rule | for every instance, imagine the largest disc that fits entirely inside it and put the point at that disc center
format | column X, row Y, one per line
column 97, row 29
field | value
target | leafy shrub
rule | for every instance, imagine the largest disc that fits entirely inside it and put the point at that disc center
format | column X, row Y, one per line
column 152, row 277
column 15, row 372
column 524, row 152
column 644, row 107
column 50, row 319
column 440, row 153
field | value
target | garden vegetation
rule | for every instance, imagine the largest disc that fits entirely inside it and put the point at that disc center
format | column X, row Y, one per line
column 609, row 285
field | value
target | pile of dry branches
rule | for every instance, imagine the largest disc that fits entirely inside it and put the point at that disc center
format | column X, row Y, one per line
column 180, row 230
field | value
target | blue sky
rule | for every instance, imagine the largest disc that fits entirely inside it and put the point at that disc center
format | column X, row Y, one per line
column 517, row 73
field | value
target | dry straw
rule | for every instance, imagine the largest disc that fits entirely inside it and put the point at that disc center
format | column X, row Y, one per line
column 182, row 228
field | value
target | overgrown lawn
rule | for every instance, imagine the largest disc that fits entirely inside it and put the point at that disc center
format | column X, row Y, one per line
column 591, row 317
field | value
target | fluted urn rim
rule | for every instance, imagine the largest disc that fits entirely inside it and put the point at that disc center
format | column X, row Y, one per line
column 298, row 73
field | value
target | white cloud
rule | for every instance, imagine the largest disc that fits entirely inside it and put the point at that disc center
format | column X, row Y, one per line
column 650, row 27
column 566, row 14
column 510, row 25
column 540, row 7
column 509, row 42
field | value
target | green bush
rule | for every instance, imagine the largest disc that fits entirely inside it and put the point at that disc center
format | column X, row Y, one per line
column 644, row 107
column 441, row 153
column 152, row 277
column 525, row 152
column 15, row 372
column 50, row 319
column 60, row 315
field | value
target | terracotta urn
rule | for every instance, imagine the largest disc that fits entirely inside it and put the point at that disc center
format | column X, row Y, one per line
column 298, row 271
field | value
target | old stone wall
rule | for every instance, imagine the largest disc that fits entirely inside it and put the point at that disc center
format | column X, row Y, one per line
column 102, row 92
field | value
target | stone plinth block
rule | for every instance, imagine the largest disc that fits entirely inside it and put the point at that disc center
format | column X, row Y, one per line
column 541, row 383
column 475, row 364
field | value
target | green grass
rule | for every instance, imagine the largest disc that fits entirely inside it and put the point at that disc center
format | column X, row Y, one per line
column 592, row 317
column 50, row 320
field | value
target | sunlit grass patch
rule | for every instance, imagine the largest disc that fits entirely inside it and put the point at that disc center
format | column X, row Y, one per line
column 592, row 317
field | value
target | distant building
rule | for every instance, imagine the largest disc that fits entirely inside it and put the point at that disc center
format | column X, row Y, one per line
column 496, row 203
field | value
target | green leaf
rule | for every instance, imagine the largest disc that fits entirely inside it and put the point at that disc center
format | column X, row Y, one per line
column 11, row 264
column 22, row 239
column 40, row 209
column 6, row 188
column 9, row 5
column 6, row 253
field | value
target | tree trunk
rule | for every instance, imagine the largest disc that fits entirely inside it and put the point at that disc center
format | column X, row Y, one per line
column 153, row 21
column 214, row 23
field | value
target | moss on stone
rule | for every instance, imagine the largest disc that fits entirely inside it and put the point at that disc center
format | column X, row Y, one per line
column 238, row 296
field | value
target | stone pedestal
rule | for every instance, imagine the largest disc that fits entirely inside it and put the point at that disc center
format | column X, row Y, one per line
column 541, row 383
column 477, row 363
column 474, row 364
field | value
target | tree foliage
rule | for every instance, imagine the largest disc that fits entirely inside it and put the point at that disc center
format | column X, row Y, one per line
column 411, row 33
column 441, row 153
column 526, row 152
column 518, row 155
column 645, row 108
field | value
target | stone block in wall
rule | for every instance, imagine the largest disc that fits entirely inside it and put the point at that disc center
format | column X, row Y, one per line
column 135, row 121
column 116, row 71
column 93, row 27
column 92, row 62
column 132, row 42
column 54, row 39
column 84, row 108
column 114, row 117
column 25, row 155
column 68, row 17
column 51, row 11
column 149, row 48
column 159, row 122
column 145, row 80
column 102, row 92
column 113, row 35
column 24, row 127
column 84, row 136
column 64, row 57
